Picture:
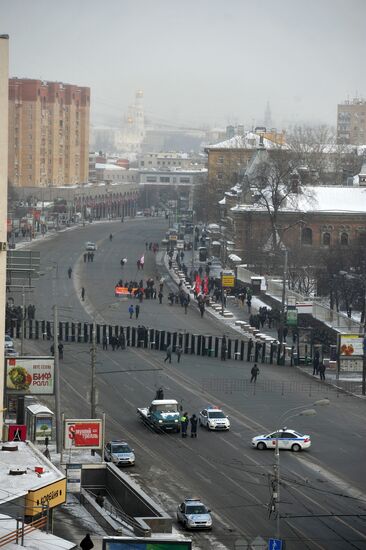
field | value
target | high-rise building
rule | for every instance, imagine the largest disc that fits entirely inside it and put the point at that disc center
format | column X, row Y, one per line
column 4, row 75
column 351, row 122
column 48, row 133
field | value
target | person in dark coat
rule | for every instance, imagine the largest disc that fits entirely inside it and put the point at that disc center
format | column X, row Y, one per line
column 322, row 370
column 60, row 351
column 168, row 354
column 137, row 311
column 178, row 351
column 254, row 372
column 69, row 272
column 316, row 362
column 194, row 422
column 223, row 348
column 86, row 543
column 159, row 393
column 105, row 342
column 83, row 293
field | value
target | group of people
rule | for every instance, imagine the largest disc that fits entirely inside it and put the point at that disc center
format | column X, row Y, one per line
column 185, row 421
column 169, row 351
column 88, row 257
column 154, row 247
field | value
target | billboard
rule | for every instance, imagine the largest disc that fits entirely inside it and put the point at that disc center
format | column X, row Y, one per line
column 125, row 543
column 30, row 375
column 351, row 345
column 83, row 434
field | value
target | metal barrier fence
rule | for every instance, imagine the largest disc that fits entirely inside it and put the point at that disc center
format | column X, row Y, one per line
column 192, row 344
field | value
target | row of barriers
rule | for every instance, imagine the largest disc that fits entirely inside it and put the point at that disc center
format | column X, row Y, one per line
column 150, row 338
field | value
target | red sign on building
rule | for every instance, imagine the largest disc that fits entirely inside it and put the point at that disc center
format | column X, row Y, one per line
column 17, row 432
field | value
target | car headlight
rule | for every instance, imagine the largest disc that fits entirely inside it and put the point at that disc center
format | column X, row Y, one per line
column 160, row 421
column 209, row 521
column 176, row 420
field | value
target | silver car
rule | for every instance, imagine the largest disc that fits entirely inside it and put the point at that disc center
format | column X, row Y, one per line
column 192, row 514
column 120, row 453
column 8, row 342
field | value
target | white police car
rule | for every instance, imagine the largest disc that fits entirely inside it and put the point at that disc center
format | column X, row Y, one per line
column 287, row 440
column 90, row 246
column 192, row 514
column 214, row 418
column 120, row 453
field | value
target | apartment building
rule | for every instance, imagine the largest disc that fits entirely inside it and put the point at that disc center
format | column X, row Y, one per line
column 48, row 133
column 351, row 122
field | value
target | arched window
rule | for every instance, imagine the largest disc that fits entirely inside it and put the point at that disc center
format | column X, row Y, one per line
column 344, row 239
column 326, row 239
column 307, row 236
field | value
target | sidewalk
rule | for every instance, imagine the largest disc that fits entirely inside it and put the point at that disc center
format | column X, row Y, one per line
column 346, row 382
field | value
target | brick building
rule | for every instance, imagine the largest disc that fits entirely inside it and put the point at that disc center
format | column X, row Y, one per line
column 48, row 133
column 316, row 219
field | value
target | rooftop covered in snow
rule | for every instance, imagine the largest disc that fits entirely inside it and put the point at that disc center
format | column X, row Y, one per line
column 249, row 140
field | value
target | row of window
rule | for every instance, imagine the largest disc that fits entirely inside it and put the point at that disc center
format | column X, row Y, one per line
column 307, row 237
column 166, row 179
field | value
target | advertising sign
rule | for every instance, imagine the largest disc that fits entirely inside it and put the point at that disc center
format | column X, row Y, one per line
column 43, row 427
column 51, row 495
column 83, row 434
column 17, row 432
column 350, row 364
column 73, row 476
column 30, row 375
column 351, row 345
column 122, row 543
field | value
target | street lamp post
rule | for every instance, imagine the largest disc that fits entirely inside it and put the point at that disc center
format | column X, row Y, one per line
column 283, row 417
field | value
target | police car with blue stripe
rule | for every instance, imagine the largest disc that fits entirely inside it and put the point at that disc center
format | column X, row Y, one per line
column 287, row 439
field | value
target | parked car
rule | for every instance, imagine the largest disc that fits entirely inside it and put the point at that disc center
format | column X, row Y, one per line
column 9, row 344
column 120, row 453
column 193, row 514
column 11, row 352
column 287, row 439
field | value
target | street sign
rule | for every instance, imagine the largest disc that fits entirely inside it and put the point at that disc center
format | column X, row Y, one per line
column 73, row 477
column 228, row 281
column 275, row 544
column 291, row 317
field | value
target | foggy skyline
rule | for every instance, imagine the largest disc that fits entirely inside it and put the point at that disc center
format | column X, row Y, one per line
column 202, row 62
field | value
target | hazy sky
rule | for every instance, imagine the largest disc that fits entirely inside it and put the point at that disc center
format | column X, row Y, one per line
column 198, row 61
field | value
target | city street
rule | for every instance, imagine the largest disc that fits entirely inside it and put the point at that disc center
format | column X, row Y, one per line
column 220, row 468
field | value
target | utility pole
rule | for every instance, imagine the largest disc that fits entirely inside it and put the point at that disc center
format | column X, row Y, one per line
column 283, row 301
column 93, row 355
column 364, row 341
column 23, row 323
column 57, row 380
column 276, row 492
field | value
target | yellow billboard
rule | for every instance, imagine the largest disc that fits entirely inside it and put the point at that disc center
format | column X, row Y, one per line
column 228, row 280
column 52, row 494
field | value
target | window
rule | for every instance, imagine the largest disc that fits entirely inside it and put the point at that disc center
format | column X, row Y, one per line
column 220, row 160
column 151, row 179
column 344, row 239
column 184, row 180
column 307, row 236
column 165, row 179
column 326, row 239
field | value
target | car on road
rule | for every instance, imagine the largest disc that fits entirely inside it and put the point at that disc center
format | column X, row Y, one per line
column 120, row 453
column 193, row 514
column 90, row 246
column 11, row 352
column 287, row 439
column 214, row 418
column 9, row 344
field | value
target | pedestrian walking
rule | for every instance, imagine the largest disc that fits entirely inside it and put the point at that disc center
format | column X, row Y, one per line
column 85, row 257
column 316, row 362
column 130, row 311
column 178, row 351
column 105, row 343
column 254, row 372
column 160, row 296
column 137, row 311
column 194, row 422
column 69, row 272
column 111, row 237
column 113, row 341
column 184, row 424
column 159, row 393
column 60, row 351
column 52, row 349
column 99, row 499
column 168, row 354
column 322, row 370
column 83, row 294
column 86, row 543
